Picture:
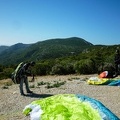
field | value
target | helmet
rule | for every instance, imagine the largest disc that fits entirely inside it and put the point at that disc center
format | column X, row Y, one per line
column 32, row 63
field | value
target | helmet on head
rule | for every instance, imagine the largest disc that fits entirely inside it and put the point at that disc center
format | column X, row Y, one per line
column 32, row 63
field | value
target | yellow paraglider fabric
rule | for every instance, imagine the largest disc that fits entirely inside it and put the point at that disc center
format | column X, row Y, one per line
column 65, row 107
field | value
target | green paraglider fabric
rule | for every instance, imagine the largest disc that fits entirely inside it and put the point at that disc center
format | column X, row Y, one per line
column 65, row 107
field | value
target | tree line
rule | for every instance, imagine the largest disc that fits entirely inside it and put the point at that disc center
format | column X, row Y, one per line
column 90, row 61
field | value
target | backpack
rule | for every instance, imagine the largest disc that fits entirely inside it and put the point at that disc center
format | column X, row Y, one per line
column 106, row 74
column 15, row 75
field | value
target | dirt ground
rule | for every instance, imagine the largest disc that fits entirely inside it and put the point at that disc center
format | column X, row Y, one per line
column 12, row 103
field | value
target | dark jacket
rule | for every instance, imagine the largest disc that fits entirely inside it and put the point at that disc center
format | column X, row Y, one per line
column 25, row 70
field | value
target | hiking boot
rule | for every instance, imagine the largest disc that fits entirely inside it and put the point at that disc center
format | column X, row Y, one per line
column 29, row 91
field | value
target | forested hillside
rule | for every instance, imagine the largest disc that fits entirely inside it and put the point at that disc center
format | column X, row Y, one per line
column 2, row 48
column 59, row 56
column 42, row 50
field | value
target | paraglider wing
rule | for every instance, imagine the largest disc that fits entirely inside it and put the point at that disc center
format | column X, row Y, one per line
column 68, row 107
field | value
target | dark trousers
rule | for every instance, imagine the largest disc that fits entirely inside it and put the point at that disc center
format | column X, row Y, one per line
column 22, row 81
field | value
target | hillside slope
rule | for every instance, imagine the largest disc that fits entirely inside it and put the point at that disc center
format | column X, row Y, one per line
column 2, row 48
column 52, row 48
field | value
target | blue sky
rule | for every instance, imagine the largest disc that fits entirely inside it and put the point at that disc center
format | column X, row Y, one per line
column 30, row 21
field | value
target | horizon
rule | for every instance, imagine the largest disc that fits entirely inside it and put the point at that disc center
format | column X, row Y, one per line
column 29, row 21
column 53, row 39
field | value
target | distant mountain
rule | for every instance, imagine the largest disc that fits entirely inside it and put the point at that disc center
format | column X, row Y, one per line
column 52, row 48
column 2, row 48
column 12, row 53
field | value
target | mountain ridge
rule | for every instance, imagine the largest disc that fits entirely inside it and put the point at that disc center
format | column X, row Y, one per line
column 47, row 49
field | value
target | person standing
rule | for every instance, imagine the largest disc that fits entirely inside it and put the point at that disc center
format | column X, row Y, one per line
column 117, row 61
column 23, row 73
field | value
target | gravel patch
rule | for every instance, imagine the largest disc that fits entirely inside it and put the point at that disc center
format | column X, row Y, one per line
column 12, row 103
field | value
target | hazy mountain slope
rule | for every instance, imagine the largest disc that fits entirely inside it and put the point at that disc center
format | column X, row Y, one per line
column 12, row 53
column 2, row 48
column 56, row 48
column 52, row 48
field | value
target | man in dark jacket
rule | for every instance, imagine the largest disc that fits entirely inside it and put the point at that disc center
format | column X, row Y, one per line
column 117, row 61
column 25, row 70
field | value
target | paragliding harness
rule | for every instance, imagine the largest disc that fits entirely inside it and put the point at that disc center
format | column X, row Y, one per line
column 106, row 74
column 15, row 75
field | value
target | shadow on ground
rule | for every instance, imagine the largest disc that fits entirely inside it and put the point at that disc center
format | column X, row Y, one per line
column 35, row 95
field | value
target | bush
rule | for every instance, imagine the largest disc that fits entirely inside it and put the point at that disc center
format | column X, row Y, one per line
column 69, row 69
column 58, row 69
column 85, row 67
column 2, row 76
column 6, row 73
column 106, row 67
column 41, row 69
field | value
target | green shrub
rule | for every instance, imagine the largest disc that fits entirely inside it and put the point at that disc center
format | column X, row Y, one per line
column 107, row 67
column 32, row 86
column 85, row 67
column 7, row 72
column 69, row 69
column 58, row 69
column 41, row 83
column 42, row 68
column 2, row 76
column 56, row 84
